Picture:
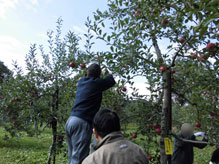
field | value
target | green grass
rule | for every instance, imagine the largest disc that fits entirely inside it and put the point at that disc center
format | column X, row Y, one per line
column 27, row 150
column 34, row 150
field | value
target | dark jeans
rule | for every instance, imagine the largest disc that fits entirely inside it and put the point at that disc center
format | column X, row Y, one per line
column 78, row 134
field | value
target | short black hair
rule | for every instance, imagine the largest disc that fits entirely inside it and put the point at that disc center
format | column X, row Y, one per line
column 94, row 70
column 215, row 156
column 105, row 122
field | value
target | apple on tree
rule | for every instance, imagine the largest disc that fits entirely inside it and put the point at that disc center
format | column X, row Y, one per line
column 162, row 68
column 83, row 66
column 134, row 135
column 158, row 131
column 149, row 157
column 137, row 12
column 210, row 46
column 58, row 137
column 212, row 114
column 148, row 127
column 165, row 21
column 156, row 125
column 72, row 64
column 193, row 56
column 124, row 89
column 197, row 124
column 181, row 40
column 154, row 12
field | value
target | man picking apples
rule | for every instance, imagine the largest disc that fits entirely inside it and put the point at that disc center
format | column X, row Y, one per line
column 183, row 151
column 87, row 103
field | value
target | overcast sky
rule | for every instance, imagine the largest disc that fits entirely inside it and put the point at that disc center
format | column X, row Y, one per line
column 24, row 22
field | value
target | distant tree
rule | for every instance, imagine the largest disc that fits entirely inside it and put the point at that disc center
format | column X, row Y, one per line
column 3, row 71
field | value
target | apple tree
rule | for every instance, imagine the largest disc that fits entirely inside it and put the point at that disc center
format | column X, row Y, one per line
column 159, row 40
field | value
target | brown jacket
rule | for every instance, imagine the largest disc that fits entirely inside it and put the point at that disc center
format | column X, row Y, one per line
column 114, row 149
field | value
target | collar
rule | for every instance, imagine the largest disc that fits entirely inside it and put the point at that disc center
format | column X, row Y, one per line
column 112, row 137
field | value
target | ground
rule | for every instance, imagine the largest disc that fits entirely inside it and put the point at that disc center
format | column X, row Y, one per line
column 34, row 150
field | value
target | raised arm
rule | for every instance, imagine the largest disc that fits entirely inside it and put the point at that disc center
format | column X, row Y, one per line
column 107, row 82
column 199, row 145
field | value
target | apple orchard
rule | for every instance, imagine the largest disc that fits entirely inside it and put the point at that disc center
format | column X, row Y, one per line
column 172, row 45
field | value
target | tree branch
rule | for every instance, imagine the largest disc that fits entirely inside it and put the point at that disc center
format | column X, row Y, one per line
column 191, row 141
column 180, row 49
column 155, row 44
column 182, row 96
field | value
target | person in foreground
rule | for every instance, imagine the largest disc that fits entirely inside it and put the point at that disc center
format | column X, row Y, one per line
column 215, row 157
column 87, row 103
column 112, row 148
column 183, row 151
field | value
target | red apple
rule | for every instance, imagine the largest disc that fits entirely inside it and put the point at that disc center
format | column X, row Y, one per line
column 83, row 66
column 173, row 71
column 137, row 12
column 15, row 123
column 15, row 99
column 34, row 95
column 114, row 107
column 134, row 135
column 149, row 157
column 193, row 55
column 203, row 58
column 154, row 12
column 124, row 89
column 165, row 21
column 71, row 64
column 210, row 46
column 158, row 131
column 197, row 124
column 181, row 40
column 156, row 125
column 148, row 127
column 58, row 137
column 212, row 114
column 163, row 68
column 204, row 92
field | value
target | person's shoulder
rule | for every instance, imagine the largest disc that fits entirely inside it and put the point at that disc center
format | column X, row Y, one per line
column 89, row 159
column 134, row 145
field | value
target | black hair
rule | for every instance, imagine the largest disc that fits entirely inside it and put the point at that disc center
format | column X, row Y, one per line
column 105, row 122
column 94, row 70
column 215, row 156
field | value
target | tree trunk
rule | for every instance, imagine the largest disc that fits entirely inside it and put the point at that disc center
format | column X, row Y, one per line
column 53, row 146
column 166, row 118
column 55, row 103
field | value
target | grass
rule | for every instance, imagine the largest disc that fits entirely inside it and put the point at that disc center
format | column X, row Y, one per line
column 34, row 150
column 27, row 150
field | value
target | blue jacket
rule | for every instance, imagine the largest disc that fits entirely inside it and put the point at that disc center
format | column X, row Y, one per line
column 89, row 96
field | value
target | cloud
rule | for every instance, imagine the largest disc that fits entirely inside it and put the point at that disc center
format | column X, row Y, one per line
column 12, row 49
column 35, row 2
column 79, row 29
column 140, row 86
column 42, row 36
column 6, row 5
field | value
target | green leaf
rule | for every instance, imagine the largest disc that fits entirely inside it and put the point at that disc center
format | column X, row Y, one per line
column 108, row 38
column 111, row 48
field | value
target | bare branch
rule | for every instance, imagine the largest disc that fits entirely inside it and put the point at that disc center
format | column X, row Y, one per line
column 191, row 141
column 182, row 96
